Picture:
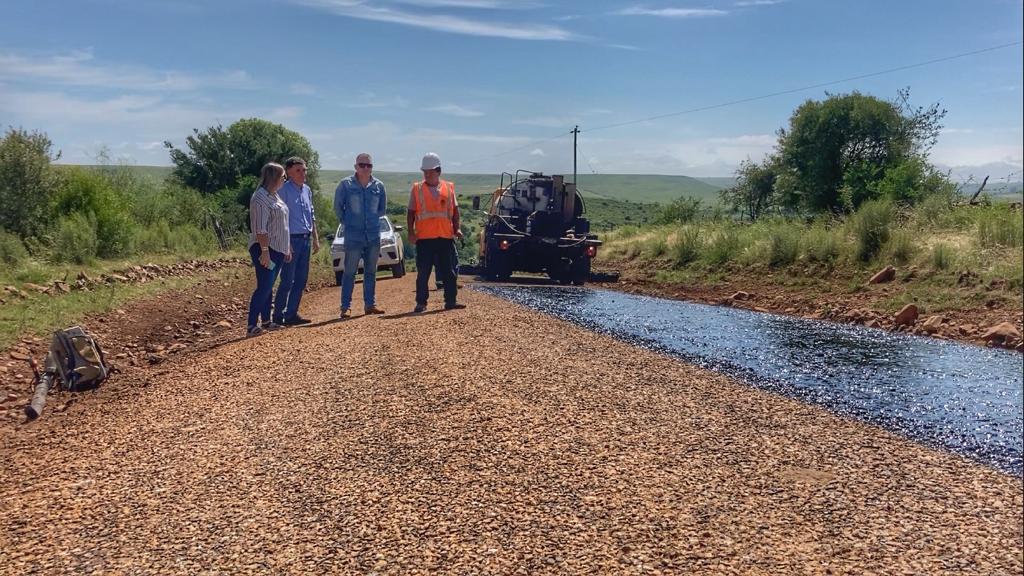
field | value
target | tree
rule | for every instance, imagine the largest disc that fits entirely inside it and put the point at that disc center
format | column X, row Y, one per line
column 754, row 192
column 682, row 210
column 217, row 159
column 28, row 182
column 834, row 151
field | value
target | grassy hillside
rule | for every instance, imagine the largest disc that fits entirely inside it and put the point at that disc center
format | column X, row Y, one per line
column 719, row 181
column 634, row 188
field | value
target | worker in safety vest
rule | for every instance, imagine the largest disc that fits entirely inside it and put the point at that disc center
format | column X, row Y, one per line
column 433, row 221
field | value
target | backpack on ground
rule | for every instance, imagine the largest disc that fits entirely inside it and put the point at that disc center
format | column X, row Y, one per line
column 77, row 359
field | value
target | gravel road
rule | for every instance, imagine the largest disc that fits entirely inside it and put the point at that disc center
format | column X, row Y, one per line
column 486, row 440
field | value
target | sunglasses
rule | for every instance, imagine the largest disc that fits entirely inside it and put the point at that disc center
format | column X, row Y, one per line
column 364, row 165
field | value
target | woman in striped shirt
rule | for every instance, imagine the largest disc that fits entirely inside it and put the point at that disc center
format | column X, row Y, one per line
column 269, row 244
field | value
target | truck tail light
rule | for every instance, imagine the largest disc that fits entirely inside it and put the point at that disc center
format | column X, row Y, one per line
column 504, row 245
column 591, row 251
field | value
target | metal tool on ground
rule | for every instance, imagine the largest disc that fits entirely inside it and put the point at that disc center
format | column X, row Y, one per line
column 75, row 362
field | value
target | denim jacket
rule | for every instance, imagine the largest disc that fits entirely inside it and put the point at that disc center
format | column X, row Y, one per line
column 359, row 210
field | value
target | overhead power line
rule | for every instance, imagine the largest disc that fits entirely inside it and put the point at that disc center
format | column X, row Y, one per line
column 754, row 98
column 803, row 88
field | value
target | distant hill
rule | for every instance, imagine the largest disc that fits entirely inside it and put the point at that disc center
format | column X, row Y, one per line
column 719, row 181
column 633, row 188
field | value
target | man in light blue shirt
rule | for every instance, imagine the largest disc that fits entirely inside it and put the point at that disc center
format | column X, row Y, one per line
column 359, row 202
column 302, row 224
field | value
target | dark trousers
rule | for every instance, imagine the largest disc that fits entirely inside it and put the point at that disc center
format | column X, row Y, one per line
column 294, row 276
column 455, row 267
column 259, row 304
column 435, row 253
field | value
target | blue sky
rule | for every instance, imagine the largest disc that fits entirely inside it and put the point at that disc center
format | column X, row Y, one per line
column 473, row 79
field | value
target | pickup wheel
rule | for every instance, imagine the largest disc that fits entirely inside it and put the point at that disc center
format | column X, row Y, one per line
column 398, row 270
column 338, row 276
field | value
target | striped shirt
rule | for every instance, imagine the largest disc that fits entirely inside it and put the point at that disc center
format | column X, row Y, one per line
column 268, row 214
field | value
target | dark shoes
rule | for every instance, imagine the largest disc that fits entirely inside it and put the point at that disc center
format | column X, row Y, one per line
column 345, row 313
column 419, row 308
column 454, row 306
column 373, row 310
column 296, row 321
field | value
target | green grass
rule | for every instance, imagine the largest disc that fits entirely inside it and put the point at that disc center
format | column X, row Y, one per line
column 841, row 254
column 40, row 315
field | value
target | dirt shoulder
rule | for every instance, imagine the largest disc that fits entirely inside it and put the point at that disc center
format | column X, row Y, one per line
column 966, row 311
column 486, row 440
column 145, row 331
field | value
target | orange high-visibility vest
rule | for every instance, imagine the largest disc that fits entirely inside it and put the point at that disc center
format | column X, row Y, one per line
column 434, row 217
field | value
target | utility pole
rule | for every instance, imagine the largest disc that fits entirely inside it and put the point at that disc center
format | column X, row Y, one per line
column 575, row 131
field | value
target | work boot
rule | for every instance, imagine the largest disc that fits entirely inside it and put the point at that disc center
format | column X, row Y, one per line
column 419, row 308
column 455, row 306
column 373, row 310
column 271, row 326
column 345, row 313
column 296, row 321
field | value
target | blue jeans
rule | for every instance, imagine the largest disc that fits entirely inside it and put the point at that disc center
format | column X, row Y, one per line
column 259, row 304
column 294, row 276
column 369, row 253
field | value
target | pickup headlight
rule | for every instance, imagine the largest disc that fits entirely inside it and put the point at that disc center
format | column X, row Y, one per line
column 387, row 241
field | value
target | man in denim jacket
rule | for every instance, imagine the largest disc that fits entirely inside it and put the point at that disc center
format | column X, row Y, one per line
column 359, row 202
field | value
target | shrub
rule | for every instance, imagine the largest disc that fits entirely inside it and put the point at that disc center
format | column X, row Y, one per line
column 942, row 256
column 783, row 244
column 687, row 245
column 870, row 226
column 184, row 240
column 682, row 210
column 822, row 244
column 12, row 251
column 75, row 240
column 655, row 247
column 900, row 247
column 724, row 246
column 28, row 182
column 934, row 209
column 999, row 226
column 91, row 191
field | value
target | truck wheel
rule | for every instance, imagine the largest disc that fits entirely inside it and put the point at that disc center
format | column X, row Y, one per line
column 398, row 270
column 338, row 277
column 498, row 268
column 580, row 271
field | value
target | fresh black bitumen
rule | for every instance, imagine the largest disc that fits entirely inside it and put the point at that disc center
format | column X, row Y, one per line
column 963, row 398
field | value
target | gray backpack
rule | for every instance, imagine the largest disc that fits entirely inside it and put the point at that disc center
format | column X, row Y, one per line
column 76, row 359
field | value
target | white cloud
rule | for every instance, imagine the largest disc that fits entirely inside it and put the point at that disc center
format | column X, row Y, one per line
column 670, row 12
column 301, row 89
column 625, row 47
column 477, row 4
column 440, row 22
column 546, row 122
column 962, row 154
column 79, row 68
column 749, row 3
column 285, row 113
column 455, row 110
column 536, row 152
column 372, row 100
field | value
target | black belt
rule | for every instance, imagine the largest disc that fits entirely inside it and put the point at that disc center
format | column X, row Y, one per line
column 303, row 235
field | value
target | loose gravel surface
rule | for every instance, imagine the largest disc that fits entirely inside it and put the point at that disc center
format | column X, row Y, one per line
column 486, row 440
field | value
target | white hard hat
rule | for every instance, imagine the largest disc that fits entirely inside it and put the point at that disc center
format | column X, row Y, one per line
column 431, row 161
